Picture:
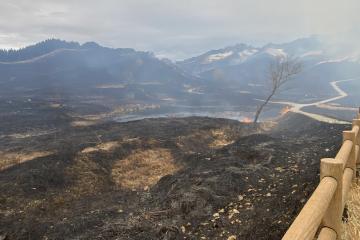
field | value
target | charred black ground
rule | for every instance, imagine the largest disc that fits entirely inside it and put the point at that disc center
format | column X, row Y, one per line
column 192, row 178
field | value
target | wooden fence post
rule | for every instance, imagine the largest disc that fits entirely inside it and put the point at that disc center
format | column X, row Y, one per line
column 351, row 162
column 356, row 122
column 331, row 167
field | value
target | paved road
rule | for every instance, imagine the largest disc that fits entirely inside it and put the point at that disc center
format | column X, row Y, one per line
column 297, row 107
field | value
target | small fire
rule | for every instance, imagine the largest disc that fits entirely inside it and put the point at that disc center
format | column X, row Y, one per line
column 285, row 110
column 246, row 120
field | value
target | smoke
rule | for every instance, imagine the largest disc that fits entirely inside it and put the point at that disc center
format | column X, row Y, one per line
column 344, row 44
column 179, row 29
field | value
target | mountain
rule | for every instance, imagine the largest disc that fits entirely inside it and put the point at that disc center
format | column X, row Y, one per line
column 245, row 67
column 60, row 71
column 70, row 69
column 36, row 50
column 228, row 79
column 240, row 54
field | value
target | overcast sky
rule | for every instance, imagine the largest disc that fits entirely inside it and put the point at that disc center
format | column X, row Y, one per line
column 176, row 28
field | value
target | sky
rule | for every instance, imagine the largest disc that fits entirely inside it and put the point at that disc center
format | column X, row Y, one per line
column 177, row 29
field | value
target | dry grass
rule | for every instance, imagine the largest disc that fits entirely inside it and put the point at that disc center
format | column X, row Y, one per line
column 30, row 134
column 143, row 168
column 8, row 159
column 336, row 107
column 105, row 86
column 221, row 138
column 87, row 180
column 83, row 123
column 213, row 139
column 55, row 105
column 103, row 147
column 351, row 228
column 117, row 110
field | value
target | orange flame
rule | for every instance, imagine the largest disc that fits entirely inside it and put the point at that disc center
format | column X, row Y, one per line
column 285, row 110
column 246, row 120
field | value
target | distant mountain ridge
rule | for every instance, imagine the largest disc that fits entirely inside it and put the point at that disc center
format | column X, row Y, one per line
column 70, row 69
column 36, row 50
column 46, row 47
column 232, row 75
column 236, row 55
column 244, row 67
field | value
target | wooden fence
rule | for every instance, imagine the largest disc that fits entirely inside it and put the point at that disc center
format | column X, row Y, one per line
column 322, row 214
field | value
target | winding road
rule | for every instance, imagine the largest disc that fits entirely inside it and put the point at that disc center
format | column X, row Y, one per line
column 297, row 107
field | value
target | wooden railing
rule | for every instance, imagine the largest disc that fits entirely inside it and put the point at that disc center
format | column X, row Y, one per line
column 322, row 214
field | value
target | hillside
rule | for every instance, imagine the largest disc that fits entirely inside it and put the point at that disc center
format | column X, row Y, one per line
column 155, row 179
column 70, row 169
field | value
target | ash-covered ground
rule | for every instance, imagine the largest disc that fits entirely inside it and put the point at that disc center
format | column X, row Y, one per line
column 169, row 178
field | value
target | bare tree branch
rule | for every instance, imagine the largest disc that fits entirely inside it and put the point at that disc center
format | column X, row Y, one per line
column 281, row 71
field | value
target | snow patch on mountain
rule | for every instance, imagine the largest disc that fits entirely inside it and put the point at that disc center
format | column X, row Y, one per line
column 218, row 56
column 338, row 60
column 276, row 52
column 244, row 55
column 312, row 54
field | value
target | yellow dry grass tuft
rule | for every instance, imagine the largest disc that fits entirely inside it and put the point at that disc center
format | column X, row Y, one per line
column 8, row 159
column 55, row 105
column 101, row 147
column 143, row 168
column 83, row 123
column 87, row 179
column 213, row 139
column 87, row 120
column 221, row 138
column 351, row 228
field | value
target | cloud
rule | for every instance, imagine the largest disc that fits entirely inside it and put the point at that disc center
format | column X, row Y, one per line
column 176, row 28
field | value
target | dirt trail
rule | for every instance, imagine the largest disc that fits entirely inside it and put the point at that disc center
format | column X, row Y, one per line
column 297, row 107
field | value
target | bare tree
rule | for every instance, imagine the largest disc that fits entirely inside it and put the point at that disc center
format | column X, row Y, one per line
column 281, row 71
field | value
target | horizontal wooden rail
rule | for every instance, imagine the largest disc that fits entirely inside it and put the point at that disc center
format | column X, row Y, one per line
column 344, row 152
column 306, row 224
column 327, row 234
column 326, row 205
